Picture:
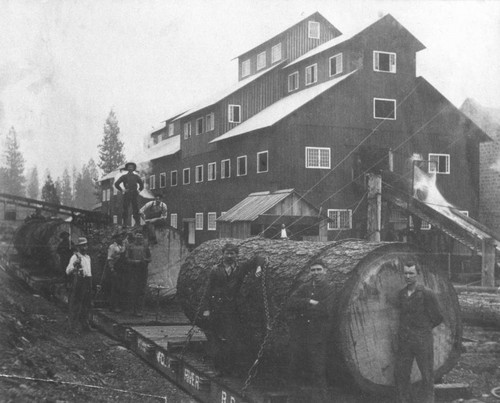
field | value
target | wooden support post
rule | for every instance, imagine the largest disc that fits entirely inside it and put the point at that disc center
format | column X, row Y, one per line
column 374, row 207
column 488, row 263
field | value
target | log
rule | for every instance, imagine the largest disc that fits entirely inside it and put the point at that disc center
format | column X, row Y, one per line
column 480, row 308
column 364, row 278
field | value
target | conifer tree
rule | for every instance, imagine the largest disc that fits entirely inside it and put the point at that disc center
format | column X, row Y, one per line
column 33, row 188
column 49, row 191
column 111, row 149
column 12, row 173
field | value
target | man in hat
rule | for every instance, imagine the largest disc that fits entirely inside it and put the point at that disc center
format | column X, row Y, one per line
column 138, row 257
column 220, row 308
column 150, row 212
column 308, row 314
column 132, row 185
column 114, row 273
column 80, row 299
column 418, row 314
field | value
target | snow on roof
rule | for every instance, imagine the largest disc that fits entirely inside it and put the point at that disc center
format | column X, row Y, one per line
column 226, row 92
column 279, row 110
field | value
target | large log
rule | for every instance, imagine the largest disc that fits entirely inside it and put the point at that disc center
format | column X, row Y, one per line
column 364, row 278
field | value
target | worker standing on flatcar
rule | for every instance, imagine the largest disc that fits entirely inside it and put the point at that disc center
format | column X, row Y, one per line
column 418, row 314
column 138, row 257
column 80, row 299
column 132, row 185
column 221, row 310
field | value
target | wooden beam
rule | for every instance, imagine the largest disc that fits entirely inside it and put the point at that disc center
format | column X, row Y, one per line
column 488, row 263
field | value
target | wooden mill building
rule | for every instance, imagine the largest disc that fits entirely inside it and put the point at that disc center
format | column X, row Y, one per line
column 313, row 111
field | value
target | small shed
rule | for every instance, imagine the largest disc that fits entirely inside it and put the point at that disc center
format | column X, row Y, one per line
column 265, row 212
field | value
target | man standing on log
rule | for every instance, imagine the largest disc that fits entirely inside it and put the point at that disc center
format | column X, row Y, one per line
column 138, row 257
column 308, row 308
column 80, row 298
column 150, row 212
column 418, row 315
column 132, row 185
column 221, row 310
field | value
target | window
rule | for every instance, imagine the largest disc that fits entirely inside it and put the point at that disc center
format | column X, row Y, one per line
column 209, row 122
column 170, row 130
column 241, row 162
column 163, row 179
column 384, row 108
column 225, row 169
column 439, row 163
column 245, row 68
column 339, row 219
column 262, row 162
column 152, row 182
column 234, row 113
column 199, row 126
column 424, row 225
column 384, row 61
column 313, row 30
column 173, row 220
column 186, row 176
column 115, row 219
column 211, row 223
column 261, row 60
column 276, row 53
column 104, row 195
column 187, row 130
column 293, row 81
column 199, row 174
column 108, row 194
column 173, row 178
column 311, row 74
column 212, row 171
column 199, row 221
column 336, row 64
column 317, row 157
column 115, row 190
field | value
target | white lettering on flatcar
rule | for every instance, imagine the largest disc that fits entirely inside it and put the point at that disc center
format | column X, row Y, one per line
column 192, row 379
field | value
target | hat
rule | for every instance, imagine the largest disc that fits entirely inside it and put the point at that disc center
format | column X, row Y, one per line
column 127, row 165
column 64, row 234
column 318, row 262
column 81, row 241
column 158, row 195
column 230, row 247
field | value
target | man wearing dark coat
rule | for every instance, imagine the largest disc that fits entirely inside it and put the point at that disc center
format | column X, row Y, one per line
column 418, row 315
column 138, row 257
column 221, row 310
column 132, row 185
column 308, row 312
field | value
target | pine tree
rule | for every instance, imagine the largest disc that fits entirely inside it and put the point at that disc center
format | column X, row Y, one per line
column 33, row 188
column 85, row 186
column 49, row 192
column 66, row 191
column 111, row 149
column 12, row 174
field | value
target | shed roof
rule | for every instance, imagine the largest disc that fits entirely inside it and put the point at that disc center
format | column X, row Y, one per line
column 280, row 109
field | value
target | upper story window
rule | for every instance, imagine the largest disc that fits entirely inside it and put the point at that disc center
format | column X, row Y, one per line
column 311, row 74
column 209, row 122
column 199, row 221
column 186, row 176
column 384, row 61
column 115, row 190
column 339, row 219
column 336, row 64
column 245, row 68
column 241, row 165
column 187, row 130
column 384, row 108
column 211, row 223
column 152, row 182
column 173, row 178
column 225, row 169
column 212, row 171
column 173, row 220
column 234, row 113
column 313, row 30
column 261, row 60
column 318, row 157
column 293, row 81
column 170, row 130
column 163, row 179
column 104, row 195
column 439, row 163
column 199, row 174
column 262, row 162
column 276, row 53
column 199, row 126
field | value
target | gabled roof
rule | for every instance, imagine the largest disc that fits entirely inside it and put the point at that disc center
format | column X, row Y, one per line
column 257, row 204
column 226, row 92
column 281, row 32
column 280, row 109
column 345, row 37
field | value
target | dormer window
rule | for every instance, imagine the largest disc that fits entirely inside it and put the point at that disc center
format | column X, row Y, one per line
column 261, row 60
column 313, row 30
column 311, row 74
column 234, row 113
column 276, row 53
column 245, row 68
column 384, row 62
column 187, row 130
column 336, row 64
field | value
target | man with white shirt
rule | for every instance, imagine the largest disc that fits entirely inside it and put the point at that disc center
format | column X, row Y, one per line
column 81, row 298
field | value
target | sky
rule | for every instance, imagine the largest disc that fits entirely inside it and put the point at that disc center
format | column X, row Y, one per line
column 64, row 64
